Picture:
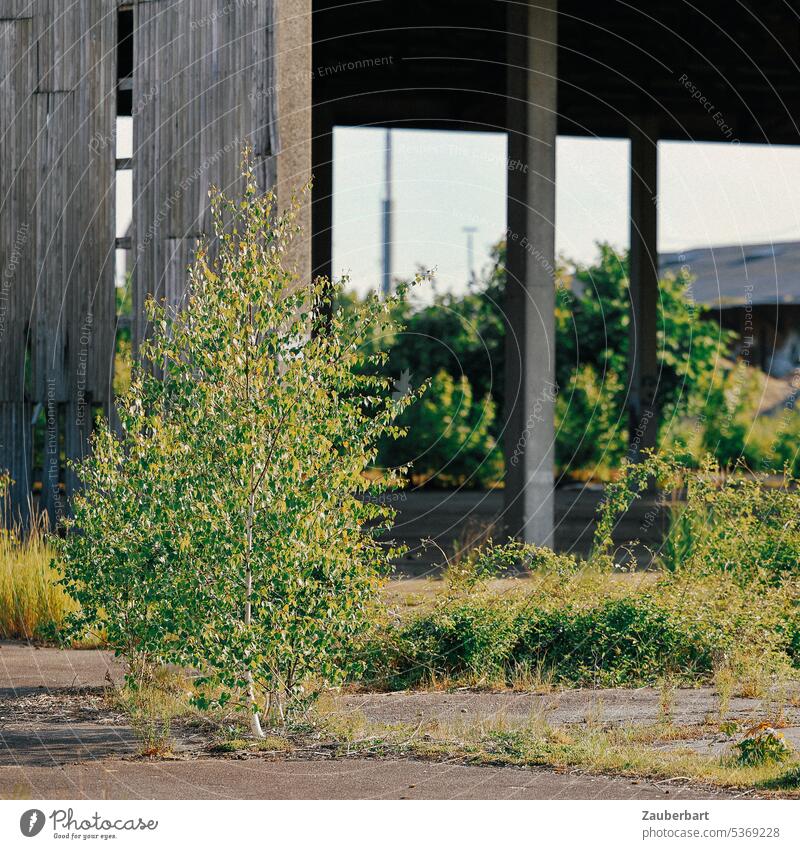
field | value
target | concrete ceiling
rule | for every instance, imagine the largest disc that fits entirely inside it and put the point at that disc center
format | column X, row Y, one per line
column 713, row 70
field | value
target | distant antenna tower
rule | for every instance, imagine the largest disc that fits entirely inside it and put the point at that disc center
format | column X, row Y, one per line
column 386, row 278
column 470, row 231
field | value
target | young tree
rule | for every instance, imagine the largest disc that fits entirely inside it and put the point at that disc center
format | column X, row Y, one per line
column 229, row 525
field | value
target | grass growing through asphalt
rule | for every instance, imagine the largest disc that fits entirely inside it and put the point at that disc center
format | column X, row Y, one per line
column 661, row 750
column 644, row 752
column 649, row 752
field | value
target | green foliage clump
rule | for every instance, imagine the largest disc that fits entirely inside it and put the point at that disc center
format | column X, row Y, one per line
column 737, row 522
column 729, row 431
column 621, row 641
column 229, row 526
column 590, row 630
column 460, row 334
column 730, row 598
column 463, row 336
column 592, row 325
column 617, row 642
column 741, row 523
column 448, row 436
column 456, row 344
column 765, row 746
column 591, row 421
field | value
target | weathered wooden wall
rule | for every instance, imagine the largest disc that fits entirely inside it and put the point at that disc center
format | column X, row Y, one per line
column 58, row 77
column 17, row 273
column 203, row 87
column 204, row 83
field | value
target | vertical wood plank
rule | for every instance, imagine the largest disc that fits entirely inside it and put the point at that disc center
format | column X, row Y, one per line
column 204, row 78
column 17, row 247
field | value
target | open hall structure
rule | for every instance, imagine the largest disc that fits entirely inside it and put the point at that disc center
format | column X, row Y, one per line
column 200, row 77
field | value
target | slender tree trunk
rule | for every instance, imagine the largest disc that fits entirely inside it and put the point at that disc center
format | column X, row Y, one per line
column 255, row 719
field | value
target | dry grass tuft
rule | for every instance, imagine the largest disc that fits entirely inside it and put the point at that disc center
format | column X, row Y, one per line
column 32, row 604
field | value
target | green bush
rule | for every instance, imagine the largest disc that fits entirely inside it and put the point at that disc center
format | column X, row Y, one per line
column 224, row 527
column 464, row 334
column 618, row 642
column 591, row 423
column 729, row 417
column 730, row 596
column 589, row 630
column 473, row 636
column 763, row 747
column 782, row 442
column 448, row 437
column 792, row 632
column 743, row 524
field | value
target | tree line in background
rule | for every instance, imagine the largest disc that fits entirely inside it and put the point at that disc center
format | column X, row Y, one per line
column 709, row 402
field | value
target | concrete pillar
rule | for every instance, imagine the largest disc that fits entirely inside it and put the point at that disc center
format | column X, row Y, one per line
column 294, row 44
column 643, row 352
column 530, row 302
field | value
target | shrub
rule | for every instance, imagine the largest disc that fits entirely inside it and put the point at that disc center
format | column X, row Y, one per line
column 464, row 335
column 783, row 442
column 448, row 436
column 592, row 323
column 618, row 642
column 579, row 626
column 593, row 631
column 740, row 522
column 763, row 746
column 591, row 424
column 473, row 636
column 225, row 527
column 731, row 408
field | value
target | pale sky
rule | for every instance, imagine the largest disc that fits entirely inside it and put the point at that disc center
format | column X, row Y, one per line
column 709, row 194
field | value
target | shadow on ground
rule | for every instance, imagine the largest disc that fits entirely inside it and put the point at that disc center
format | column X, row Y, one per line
column 60, row 738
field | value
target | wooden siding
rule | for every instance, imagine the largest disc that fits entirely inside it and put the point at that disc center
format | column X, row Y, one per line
column 58, row 112
column 203, row 87
column 17, row 236
column 204, row 84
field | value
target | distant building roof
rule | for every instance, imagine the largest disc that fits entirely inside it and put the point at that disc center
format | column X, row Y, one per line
column 733, row 275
